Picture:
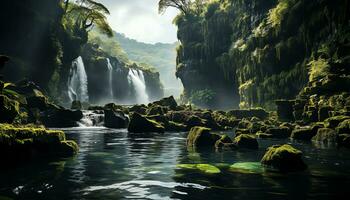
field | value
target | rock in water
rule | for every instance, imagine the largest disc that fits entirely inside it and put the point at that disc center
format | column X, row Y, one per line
column 284, row 158
column 200, row 137
column 141, row 124
column 246, row 141
column 116, row 119
column 325, row 135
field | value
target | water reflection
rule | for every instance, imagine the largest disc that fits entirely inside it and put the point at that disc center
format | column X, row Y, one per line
column 113, row 164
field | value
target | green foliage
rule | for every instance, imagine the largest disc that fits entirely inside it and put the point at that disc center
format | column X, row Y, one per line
column 276, row 15
column 318, row 68
column 83, row 14
column 202, row 97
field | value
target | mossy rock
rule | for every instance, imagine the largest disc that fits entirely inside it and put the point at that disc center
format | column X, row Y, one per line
column 263, row 135
column 279, row 132
column 305, row 133
column 344, row 127
column 115, row 119
column 141, row 109
column 68, row 148
column 195, row 121
column 9, row 109
column 19, row 143
column 246, row 141
column 225, row 143
column 156, row 110
column 325, row 135
column 201, row 137
column 202, row 168
column 173, row 126
column 333, row 122
column 141, row 124
column 167, row 102
column 284, row 158
column 247, row 168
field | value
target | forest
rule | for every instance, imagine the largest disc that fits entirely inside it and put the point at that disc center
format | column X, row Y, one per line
column 251, row 100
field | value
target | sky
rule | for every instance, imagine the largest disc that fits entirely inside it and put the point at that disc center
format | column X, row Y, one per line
column 139, row 19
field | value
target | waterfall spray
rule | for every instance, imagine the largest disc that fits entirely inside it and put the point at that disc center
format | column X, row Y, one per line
column 110, row 79
column 137, row 79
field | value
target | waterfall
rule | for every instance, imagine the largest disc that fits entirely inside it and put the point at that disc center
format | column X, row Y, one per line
column 77, row 81
column 110, row 79
column 137, row 79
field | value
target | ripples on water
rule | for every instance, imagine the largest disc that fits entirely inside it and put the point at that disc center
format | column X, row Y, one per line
column 113, row 164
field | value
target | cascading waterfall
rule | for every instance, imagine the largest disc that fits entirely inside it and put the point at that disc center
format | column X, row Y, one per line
column 137, row 79
column 77, row 82
column 110, row 79
column 91, row 118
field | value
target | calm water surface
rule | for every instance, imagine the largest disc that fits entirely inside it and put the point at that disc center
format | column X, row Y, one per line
column 113, row 164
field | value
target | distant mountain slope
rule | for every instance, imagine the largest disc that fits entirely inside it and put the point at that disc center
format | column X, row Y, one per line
column 161, row 56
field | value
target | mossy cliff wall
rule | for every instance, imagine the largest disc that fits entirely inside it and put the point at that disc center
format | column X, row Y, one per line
column 253, row 52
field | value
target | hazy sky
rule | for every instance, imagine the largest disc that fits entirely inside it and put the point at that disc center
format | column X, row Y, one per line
column 139, row 19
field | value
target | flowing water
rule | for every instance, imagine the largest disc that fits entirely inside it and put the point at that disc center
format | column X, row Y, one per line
column 77, row 82
column 113, row 164
column 110, row 79
column 137, row 79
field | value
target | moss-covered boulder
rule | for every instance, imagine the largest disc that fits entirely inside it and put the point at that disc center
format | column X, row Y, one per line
column 156, row 110
column 201, row 137
column 325, row 135
column 279, row 132
column 195, row 121
column 9, row 109
column 225, row 143
column 177, row 127
column 304, row 133
column 333, row 122
column 284, row 158
column 141, row 124
column 141, row 109
column 167, row 102
column 344, row 127
column 246, row 141
column 115, row 119
column 344, row 140
column 25, row 142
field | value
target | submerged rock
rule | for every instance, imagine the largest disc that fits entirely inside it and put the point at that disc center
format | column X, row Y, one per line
column 284, row 158
column 247, row 168
column 200, row 137
column 141, row 124
column 115, row 119
column 246, row 141
column 202, row 168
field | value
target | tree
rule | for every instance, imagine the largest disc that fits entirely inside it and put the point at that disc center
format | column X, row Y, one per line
column 182, row 5
column 84, row 14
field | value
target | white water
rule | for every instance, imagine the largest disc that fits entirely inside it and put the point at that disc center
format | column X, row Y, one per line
column 91, row 119
column 77, row 81
column 110, row 79
column 137, row 79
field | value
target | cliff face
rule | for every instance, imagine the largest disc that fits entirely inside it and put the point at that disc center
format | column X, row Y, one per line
column 250, row 53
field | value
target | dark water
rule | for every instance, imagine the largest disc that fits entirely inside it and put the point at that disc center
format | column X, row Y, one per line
column 113, row 164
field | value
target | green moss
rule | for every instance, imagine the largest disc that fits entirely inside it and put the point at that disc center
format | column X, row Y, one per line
column 200, row 137
column 283, row 158
column 247, row 168
column 318, row 69
column 246, row 141
column 202, row 168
